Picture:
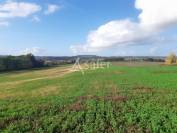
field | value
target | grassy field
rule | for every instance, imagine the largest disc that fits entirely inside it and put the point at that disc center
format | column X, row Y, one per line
column 124, row 98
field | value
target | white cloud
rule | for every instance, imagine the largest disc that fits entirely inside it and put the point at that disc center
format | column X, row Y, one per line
column 114, row 33
column 33, row 50
column 11, row 9
column 18, row 9
column 155, row 17
column 157, row 13
column 51, row 9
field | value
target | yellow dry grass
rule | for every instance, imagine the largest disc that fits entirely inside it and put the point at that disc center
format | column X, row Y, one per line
column 37, row 75
column 42, row 74
column 48, row 90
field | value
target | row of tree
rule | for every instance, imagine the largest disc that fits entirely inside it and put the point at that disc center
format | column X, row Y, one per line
column 19, row 62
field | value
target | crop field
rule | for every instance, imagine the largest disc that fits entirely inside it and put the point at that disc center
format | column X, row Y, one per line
column 123, row 99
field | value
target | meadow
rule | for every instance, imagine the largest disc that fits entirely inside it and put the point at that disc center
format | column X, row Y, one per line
column 124, row 98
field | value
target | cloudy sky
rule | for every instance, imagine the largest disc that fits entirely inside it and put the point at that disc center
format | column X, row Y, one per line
column 102, row 27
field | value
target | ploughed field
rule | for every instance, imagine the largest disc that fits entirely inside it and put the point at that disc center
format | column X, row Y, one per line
column 123, row 98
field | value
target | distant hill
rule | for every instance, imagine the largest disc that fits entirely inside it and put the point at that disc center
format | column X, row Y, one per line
column 111, row 58
column 70, row 59
column 59, row 58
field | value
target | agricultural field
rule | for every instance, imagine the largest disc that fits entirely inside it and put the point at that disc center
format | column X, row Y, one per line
column 124, row 98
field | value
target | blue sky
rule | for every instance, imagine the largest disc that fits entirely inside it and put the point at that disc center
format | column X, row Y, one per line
column 56, row 27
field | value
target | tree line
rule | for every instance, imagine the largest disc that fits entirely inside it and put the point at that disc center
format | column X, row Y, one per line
column 19, row 62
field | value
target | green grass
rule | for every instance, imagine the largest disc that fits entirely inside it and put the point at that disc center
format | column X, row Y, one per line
column 119, row 99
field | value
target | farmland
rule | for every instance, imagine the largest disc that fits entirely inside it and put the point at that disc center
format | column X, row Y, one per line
column 123, row 98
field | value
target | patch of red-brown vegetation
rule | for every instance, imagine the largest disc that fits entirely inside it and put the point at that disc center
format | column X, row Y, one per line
column 88, row 97
column 115, row 98
column 136, row 129
column 78, row 105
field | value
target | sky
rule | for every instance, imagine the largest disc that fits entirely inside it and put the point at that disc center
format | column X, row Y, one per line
column 99, row 27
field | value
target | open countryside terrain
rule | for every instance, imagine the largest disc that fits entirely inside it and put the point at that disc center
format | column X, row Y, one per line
column 124, row 98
